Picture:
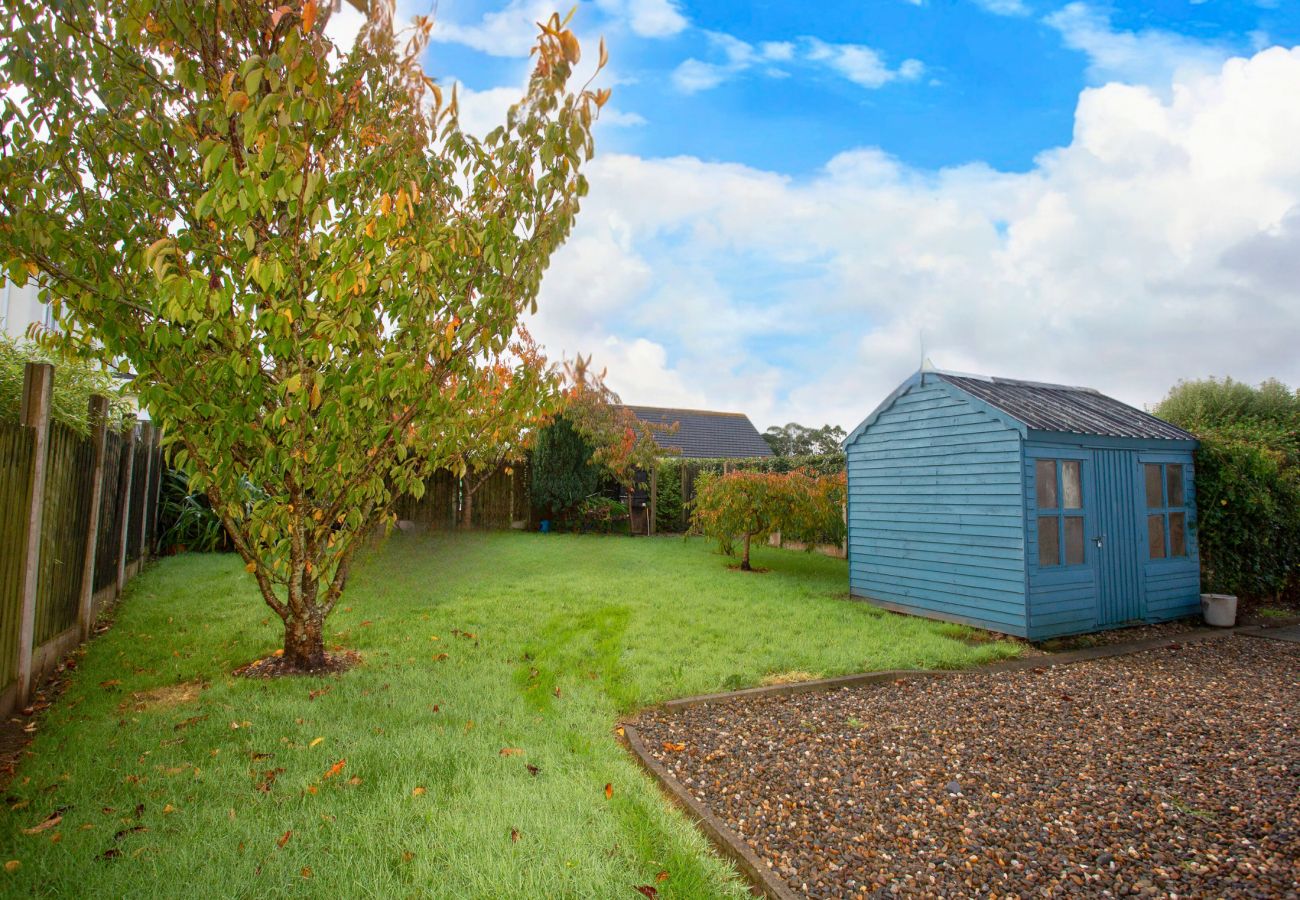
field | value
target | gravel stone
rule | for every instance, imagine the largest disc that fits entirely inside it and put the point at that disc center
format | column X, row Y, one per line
column 1168, row 773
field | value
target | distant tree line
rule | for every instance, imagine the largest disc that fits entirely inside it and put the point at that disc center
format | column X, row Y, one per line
column 793, row 439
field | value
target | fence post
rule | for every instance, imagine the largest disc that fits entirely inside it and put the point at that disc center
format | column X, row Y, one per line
column 155, row 501
column 38, row 382
column 98, row 440
column 128, row 460
column 654, row 498
column 146, row 435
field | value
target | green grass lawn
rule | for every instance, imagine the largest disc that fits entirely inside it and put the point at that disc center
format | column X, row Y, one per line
column 547, row 640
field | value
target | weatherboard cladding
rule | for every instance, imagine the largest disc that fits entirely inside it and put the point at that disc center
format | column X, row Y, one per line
column 1056, row 407
column 703, row 434
column 936, row 516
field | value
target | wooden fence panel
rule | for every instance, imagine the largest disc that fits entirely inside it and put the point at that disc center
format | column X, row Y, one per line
column 151, row 496
column 69, row 470
column 437, row 508
column 107, row 545
column 139, row 490
column 16, row 445
column 494, row 502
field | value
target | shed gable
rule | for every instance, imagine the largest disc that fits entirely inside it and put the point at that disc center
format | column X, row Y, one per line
column 936, row 521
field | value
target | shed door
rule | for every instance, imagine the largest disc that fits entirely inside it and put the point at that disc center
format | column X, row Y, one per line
column 1115, row 537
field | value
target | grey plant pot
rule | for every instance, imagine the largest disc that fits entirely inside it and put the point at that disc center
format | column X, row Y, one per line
column 1219, row 610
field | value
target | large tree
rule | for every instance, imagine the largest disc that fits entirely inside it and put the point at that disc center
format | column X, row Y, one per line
column 793, row 439
column 310, row 268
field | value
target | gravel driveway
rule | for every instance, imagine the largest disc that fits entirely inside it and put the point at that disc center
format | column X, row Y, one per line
column 1169, row 772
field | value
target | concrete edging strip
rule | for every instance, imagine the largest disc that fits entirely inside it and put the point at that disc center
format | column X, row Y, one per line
column 726, row 841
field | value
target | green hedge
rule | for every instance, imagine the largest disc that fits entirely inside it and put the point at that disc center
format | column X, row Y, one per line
column 1247, row 483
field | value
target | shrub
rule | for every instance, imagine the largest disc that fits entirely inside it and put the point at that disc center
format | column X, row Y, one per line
column 186, row 520
column 599, row 513
column 746, row 506
column 562, row 470
column 1248, row 483
column 668, row 497
column 74, row 382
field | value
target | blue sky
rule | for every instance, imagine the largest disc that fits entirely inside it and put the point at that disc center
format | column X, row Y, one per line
column 791, row 199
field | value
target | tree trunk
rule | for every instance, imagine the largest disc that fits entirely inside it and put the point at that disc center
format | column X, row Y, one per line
column 744, row 563
column 304, row 646
column 467, row 507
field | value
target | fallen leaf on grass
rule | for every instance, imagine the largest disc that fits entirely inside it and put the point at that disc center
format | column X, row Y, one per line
column 418, row 792
column 316, row 741
column 284, row 839
column 110, row 853
column 354, row 780
column 306, row 872
column 268, row 779
column 440, row 657
column 168, row 809
column 609, row 791
column 647, row 890
column 112, row 682
column 514, row 835
column 21, row 804
column 50, row 821
column 192, row 720
column 512, row 751
column 336, row 768
column 619, row 731
column 312, row 695
column 532, row 769
column 674, row 747
column 13, row 866
column 661, row 877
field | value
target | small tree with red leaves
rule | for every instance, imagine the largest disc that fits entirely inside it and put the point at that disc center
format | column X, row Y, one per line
column 748, row 506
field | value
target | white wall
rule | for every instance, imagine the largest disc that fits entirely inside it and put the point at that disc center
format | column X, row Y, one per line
column 19, row 308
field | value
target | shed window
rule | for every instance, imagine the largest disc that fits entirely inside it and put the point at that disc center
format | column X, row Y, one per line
column 1058, row 491
column 1166, row 510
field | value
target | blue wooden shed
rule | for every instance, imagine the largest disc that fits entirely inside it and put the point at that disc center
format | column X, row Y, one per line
column 1031, row 509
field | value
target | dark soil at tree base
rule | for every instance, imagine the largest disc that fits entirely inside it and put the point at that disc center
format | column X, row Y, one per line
column 1168, row 772
column 279, row 666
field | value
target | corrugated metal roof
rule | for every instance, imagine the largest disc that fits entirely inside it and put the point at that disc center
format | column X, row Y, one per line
column 1059, row 407
column 705, row 435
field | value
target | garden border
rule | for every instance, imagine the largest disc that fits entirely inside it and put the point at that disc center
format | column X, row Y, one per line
column 762, row 878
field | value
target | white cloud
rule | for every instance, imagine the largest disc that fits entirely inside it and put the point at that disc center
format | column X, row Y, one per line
column 1004, row 7
column 1161, row 243
column 858, row 63
column 512, row 30
column 647, row 18
column 1150, row 56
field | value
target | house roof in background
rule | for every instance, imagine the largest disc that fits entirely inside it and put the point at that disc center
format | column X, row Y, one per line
column 1059, row 407
column 704, row 434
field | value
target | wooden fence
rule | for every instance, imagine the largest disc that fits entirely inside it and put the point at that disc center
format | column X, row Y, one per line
column 502, row 501
column 77, row 519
